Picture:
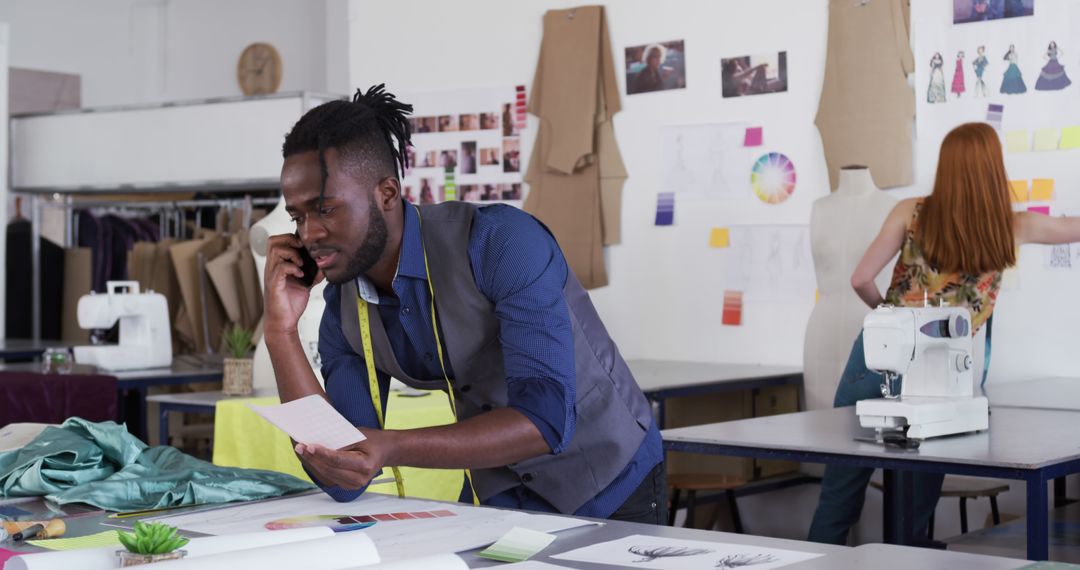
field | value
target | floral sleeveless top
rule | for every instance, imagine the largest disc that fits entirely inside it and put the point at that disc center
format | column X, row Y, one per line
column 913, row 276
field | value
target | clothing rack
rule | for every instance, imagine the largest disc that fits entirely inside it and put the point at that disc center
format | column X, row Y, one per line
column 66, row 201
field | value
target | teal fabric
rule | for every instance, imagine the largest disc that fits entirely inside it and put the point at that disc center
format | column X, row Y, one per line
column 103, row 465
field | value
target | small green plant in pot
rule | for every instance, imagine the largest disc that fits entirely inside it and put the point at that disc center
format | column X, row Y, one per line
column 238, row 380
column 152, row 542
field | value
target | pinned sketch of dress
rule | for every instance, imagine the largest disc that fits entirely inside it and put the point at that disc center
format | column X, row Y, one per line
column 936, row 92
column 1053, row 76
column 958, row 75
column 980, row 64
column 1013, row 82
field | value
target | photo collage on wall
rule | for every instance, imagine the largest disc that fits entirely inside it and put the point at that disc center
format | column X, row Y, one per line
column 466, row 145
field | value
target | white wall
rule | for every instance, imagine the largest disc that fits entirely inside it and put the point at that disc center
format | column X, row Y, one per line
column 665, row 297
column 137, row 51
column 471, row 43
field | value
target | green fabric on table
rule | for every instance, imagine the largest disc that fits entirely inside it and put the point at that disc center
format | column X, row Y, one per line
column 103, row 465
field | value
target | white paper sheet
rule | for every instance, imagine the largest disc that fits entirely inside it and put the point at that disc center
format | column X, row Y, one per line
column 641, row 551
column 311, row 419
column 471, row 527
column 441, row 562
column 337, row 552
column 533, row 565
column 770, row 263
column 706, row 159
column 105, row 558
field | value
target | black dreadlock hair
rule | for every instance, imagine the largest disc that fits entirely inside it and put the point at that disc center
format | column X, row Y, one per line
column 363, row 130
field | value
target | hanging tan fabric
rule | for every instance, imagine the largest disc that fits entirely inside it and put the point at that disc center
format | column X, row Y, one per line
column 867, row 110
column 576, row 173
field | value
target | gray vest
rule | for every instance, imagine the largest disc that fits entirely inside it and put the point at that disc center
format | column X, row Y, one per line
column 612, row 413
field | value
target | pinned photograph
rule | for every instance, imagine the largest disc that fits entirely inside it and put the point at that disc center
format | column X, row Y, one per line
column 427, row 194
column 429, row 159
column 967, row 11
column 470, row 192
column 469, row 122
column 468, row 156
column 754, row 74
column 448, row 159
column 512, row 155
column 489, row 157
column 448, row 123
column 510, row 191
column 408, row 194
column 509, row 126
column 655, row 67
column 426, row 125
column 489, row 121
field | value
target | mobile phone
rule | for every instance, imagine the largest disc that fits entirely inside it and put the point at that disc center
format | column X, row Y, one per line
column 309, row 267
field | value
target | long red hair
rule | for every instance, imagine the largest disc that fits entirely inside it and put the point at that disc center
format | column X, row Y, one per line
column 966, row 224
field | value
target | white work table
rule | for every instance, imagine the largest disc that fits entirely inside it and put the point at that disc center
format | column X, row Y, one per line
column 1025, row 444
column 1056, row 393
column 892, row 557
column 662, row 379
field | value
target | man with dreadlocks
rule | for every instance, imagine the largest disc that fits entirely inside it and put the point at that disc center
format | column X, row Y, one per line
column 475, row 301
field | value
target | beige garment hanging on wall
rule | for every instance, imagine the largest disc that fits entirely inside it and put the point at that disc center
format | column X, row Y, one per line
column 576, row 173
column 867, row 110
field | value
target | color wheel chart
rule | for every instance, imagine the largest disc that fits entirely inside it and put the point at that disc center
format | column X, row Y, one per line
column 773, row 178
column 344, row 523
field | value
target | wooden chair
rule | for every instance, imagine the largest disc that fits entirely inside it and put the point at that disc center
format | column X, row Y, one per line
column 694, row 482
column 966, row 488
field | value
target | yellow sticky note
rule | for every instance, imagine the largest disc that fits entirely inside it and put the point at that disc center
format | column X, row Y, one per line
column 1070, row 138
column 1017, row 141
column 107, row 538
column 1019, row 190
column 1046, row 139
column 720, row 237
column 1042, row 189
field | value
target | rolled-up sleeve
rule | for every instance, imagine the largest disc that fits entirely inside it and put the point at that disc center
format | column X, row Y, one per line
column 519, row 267
column 346, row 381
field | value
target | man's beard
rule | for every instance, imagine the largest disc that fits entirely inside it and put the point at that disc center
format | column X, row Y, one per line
column 371, row 249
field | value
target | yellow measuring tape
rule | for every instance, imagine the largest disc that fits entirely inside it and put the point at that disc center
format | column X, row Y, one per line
column 373, row 382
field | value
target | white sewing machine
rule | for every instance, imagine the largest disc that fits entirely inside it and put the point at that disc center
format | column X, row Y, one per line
column 145, row 336
column 932, row 348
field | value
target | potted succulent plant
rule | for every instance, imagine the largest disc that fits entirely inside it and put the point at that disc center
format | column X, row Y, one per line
column 238, row 379
column 152, row 542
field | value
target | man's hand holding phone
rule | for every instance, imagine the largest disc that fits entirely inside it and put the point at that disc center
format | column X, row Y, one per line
column 290, row 274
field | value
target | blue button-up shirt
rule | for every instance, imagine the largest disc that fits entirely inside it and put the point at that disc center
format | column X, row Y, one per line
column 519, row 267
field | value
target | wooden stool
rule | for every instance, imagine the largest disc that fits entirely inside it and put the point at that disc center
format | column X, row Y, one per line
column 694, row 482
column 966, row 488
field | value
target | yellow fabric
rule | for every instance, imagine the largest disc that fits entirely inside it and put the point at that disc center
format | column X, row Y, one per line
column 243, row 439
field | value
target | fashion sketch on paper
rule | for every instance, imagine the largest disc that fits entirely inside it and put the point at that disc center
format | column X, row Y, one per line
column 1013, row 82
column 936, row 92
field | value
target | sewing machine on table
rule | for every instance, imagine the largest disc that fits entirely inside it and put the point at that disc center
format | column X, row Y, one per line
column 145, row 337
column 932, row 348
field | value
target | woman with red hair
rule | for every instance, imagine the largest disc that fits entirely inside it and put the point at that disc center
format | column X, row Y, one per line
column 954, row 245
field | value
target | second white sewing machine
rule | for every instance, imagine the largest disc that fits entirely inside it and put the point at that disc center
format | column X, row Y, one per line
column 145, row 338
column 932, row 348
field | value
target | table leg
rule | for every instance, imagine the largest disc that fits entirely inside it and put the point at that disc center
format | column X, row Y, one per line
column 661, row 412
column 1061, row 497
column 163, row 426
column 1038, row 540
column 899, row 511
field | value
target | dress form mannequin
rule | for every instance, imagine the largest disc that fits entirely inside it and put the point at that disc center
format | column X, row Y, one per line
column 842, row 226
column 278, row 222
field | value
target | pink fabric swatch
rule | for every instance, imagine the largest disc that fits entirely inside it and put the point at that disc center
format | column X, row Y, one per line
column 753, row 136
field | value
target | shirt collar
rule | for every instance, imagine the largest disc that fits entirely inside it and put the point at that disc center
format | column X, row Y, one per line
column 410, row 258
